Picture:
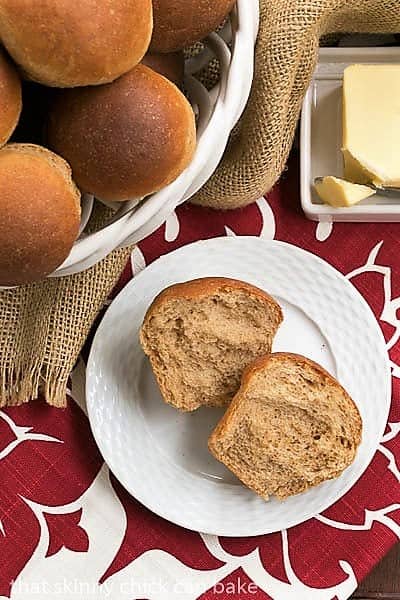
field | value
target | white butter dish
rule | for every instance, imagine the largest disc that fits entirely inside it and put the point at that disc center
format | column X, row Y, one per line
column 321, row 136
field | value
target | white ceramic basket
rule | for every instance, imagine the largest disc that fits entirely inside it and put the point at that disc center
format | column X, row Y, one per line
column 218, row 111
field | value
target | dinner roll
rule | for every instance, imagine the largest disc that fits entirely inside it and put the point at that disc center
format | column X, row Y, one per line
column 170, row 65
column 126, row 139
column 66, row 43
column 10, row 98
column 180, row 23
column 39, row 213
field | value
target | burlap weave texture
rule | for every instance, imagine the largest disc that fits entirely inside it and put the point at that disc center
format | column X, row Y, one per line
column 43, row 327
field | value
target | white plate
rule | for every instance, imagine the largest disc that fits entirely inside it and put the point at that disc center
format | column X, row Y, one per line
column 321, row 136
column 160, row 455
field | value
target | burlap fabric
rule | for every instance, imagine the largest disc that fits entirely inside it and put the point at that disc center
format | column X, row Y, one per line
column 43, row 326
column 286, row 55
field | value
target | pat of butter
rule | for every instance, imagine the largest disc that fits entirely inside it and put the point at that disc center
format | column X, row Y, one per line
column 371, row 124
column 338, row 192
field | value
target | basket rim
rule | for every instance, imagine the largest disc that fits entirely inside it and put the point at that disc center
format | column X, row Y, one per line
column 135, row 223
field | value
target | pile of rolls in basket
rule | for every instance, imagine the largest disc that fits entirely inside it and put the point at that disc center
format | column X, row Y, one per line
column 97, row 100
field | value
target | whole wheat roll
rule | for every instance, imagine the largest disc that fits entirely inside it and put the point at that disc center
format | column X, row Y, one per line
column 126, row 139
column 39, row 213
column 10, row 98
column 180, row 23
column 66, row 43
column 290, row 427
column 198, row 361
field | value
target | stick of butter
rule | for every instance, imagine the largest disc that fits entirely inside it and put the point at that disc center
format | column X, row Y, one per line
column 371, row 124
column 338, row 192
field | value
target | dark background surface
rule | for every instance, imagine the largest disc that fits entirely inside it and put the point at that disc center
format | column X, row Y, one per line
column 384, row 581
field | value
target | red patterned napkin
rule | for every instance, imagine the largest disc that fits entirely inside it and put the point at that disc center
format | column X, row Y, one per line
column 68, row 530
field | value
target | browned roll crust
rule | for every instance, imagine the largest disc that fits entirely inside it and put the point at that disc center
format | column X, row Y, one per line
column 10, row 98
column 65, row 43
column 169, row 65
column 206, row 286
column 126, row 139
column 180, row 23
column 201, row 334
column 290, row 427
column 39, row 213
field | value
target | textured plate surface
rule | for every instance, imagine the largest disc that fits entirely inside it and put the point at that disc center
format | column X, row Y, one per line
column 160, row 455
